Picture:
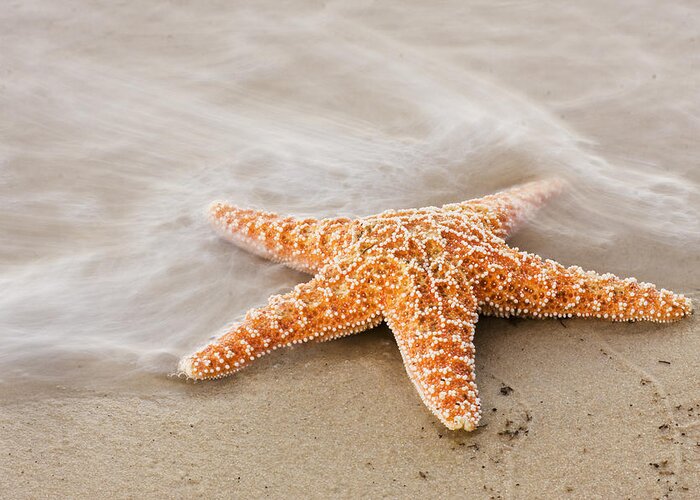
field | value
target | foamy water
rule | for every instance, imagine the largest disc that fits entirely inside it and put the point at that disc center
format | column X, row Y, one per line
column 118, row 125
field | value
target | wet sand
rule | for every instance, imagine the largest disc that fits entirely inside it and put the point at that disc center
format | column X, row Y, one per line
column 570, row 408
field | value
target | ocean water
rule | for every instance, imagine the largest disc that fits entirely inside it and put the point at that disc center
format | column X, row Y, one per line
column 120, row 123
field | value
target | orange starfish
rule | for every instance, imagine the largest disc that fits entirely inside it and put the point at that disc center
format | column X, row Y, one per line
column 428, row 273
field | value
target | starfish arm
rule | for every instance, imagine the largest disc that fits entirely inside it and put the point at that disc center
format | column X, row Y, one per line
column 523, row 284
column 335, row 303
column 503, row 212
column 433, row 321
column 305, row 244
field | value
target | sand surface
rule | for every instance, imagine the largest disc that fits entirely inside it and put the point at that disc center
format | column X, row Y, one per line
column 592, row 413
column 572, row 408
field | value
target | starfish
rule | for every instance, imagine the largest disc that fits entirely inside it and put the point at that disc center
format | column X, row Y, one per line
column 428, row 273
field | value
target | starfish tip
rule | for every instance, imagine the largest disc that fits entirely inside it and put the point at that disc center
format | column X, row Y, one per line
column 186, row 367
column 461, row 422
column 216, row 208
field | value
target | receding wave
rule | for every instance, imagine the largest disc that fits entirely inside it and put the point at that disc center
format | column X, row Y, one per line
column 106, row 164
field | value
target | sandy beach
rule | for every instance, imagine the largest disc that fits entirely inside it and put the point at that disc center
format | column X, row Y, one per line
column 342, row 420
column 121, row 122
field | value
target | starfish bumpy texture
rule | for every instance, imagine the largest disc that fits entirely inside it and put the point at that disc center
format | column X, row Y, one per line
column 428, row 273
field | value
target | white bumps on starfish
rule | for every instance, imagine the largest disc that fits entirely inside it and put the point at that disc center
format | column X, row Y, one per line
column 428, row 273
